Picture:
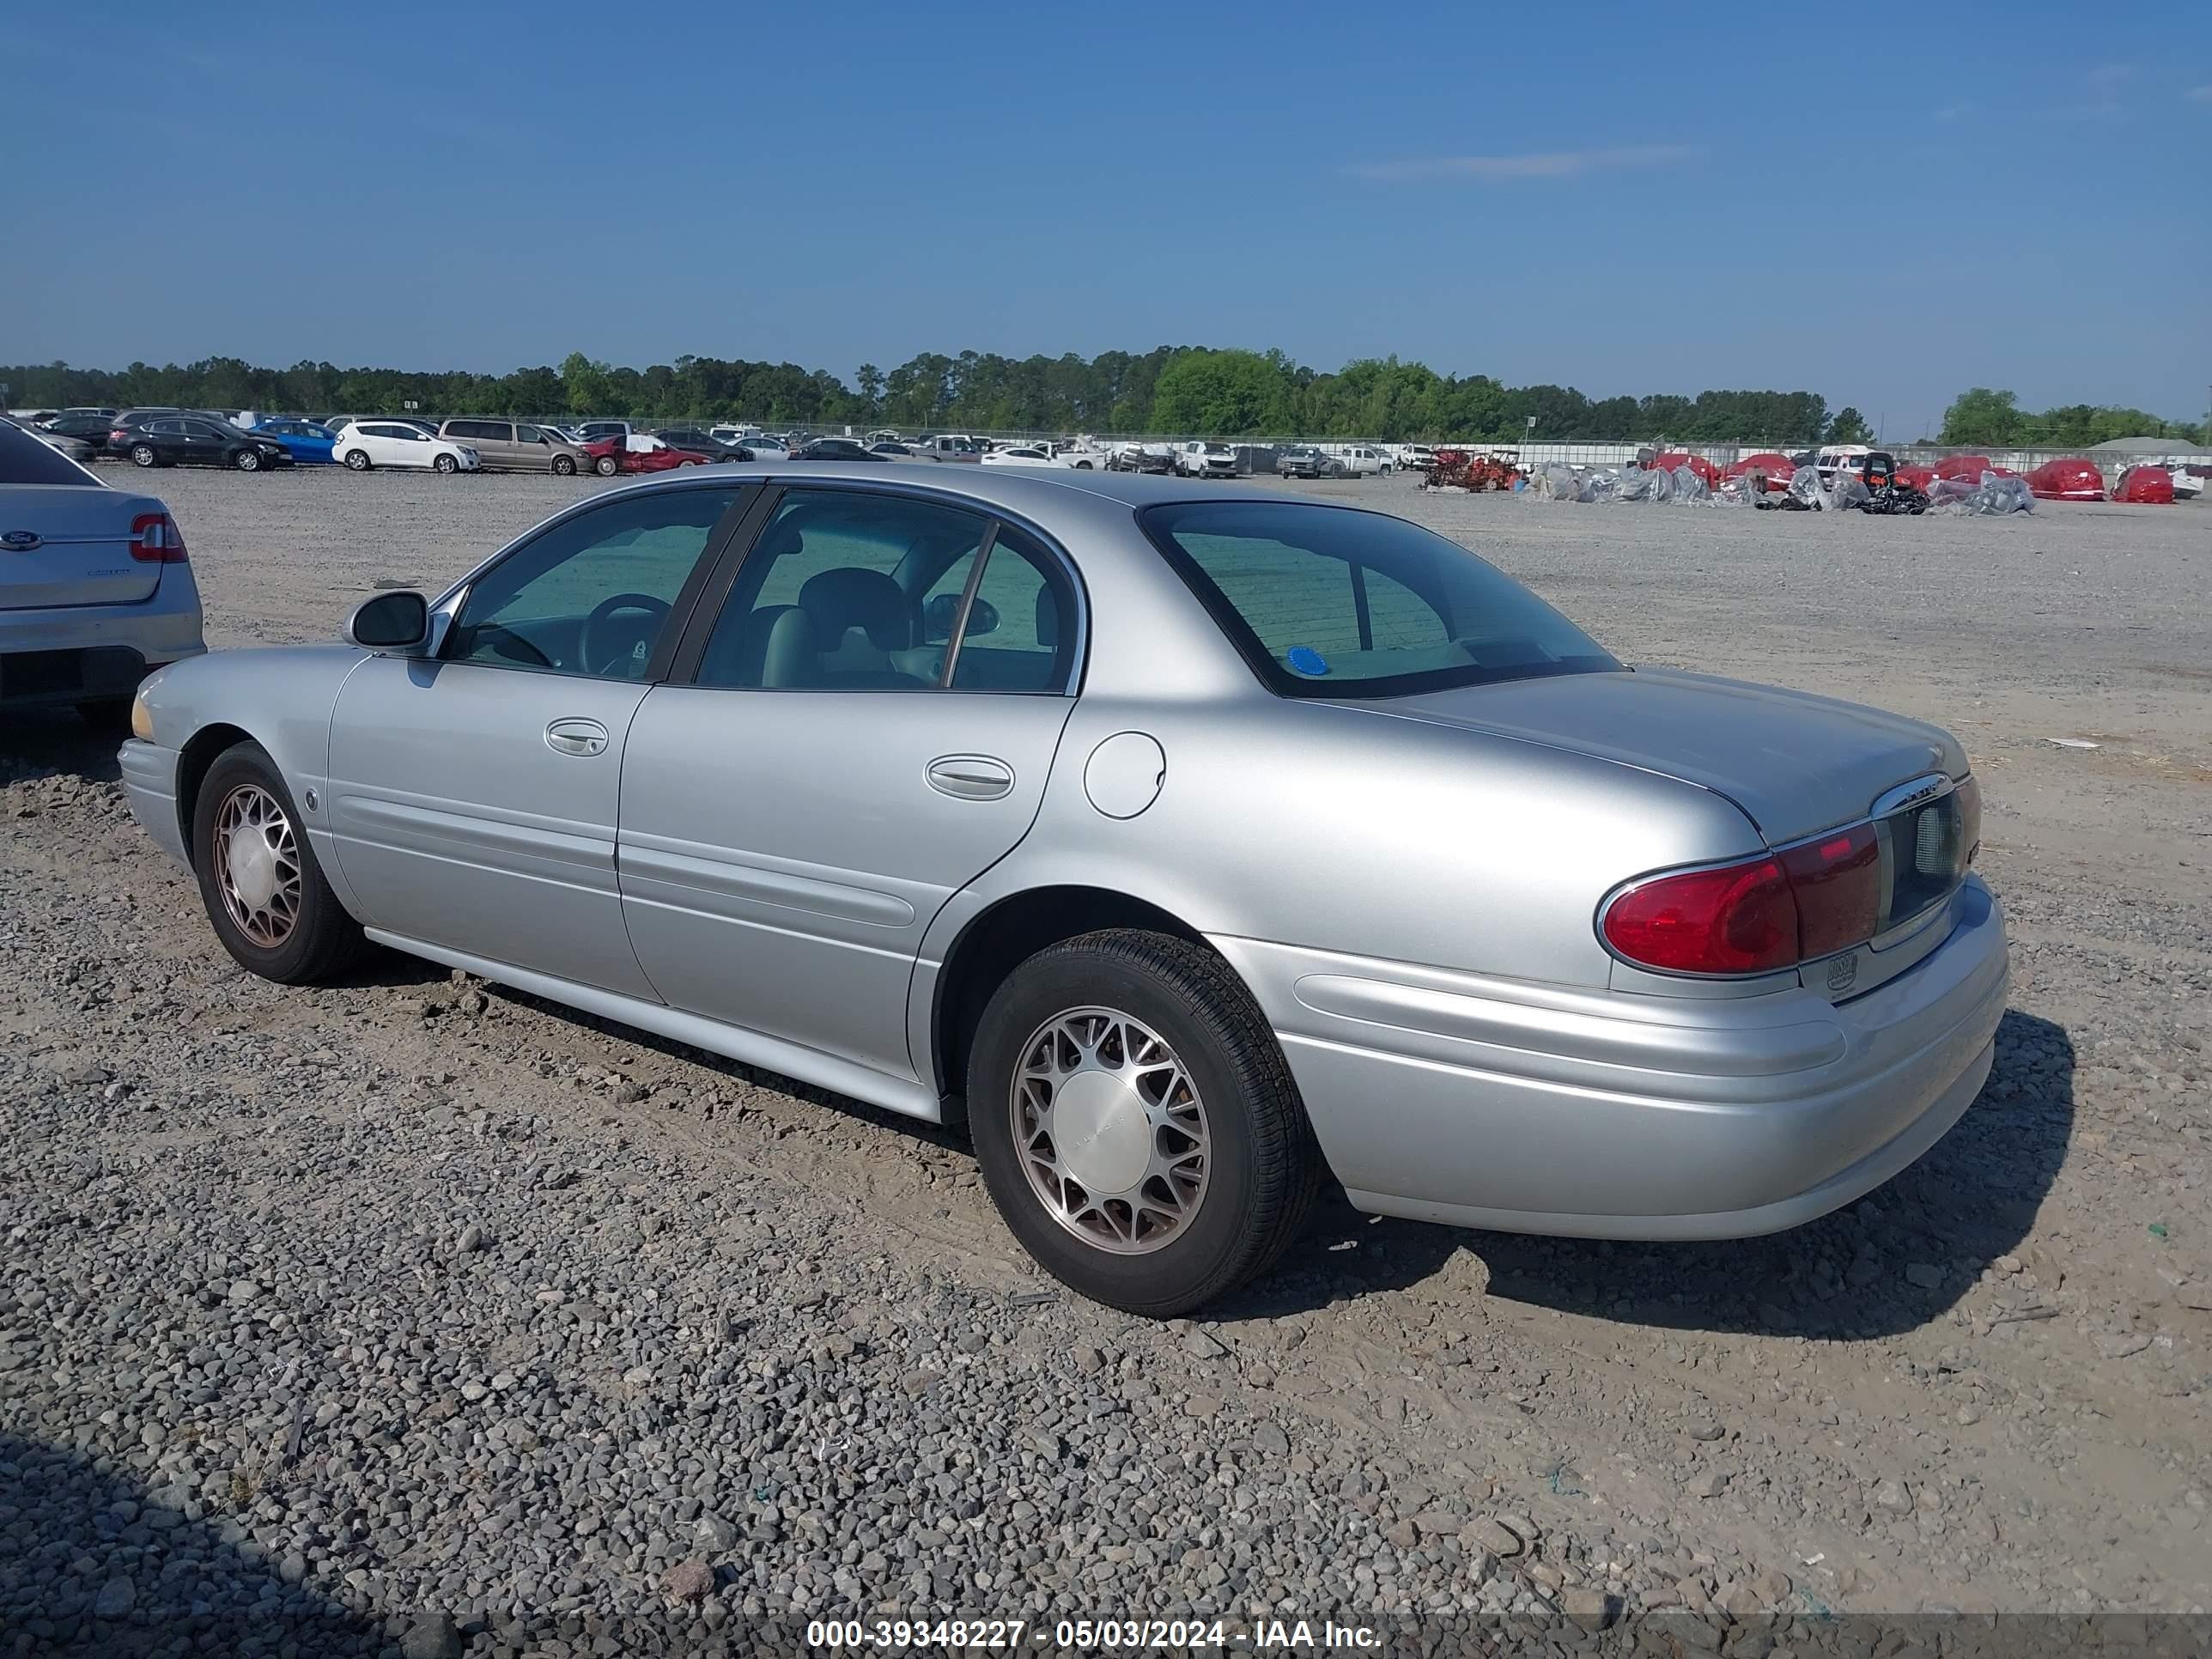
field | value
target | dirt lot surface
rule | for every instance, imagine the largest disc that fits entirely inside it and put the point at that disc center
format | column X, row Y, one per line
column 414, row 1309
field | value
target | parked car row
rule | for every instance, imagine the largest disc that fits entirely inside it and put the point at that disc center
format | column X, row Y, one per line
column 167, row 437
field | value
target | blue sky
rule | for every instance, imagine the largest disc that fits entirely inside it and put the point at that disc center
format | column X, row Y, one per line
column 2014, row 196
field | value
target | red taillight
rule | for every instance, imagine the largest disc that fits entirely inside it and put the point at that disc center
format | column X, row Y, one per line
column 1741, row 919
column 1836, row 879
column 155, row 540
column 119, row 434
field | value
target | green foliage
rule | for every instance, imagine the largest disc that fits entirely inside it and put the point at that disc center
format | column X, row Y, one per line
column 1219, row 393
column 1982, row 416
column 1849, row 427
column 1995, row 420
column 1180, row 390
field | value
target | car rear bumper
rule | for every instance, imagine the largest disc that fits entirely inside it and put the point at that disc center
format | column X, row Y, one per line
column 1496, row 1104
column 79, row 653
column 149, row 784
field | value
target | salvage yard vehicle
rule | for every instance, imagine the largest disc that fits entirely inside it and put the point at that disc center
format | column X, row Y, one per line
column 638, row 453
column 515, row 446
column 836, row 449
column 1359, row 460
column 92, row 426
column 1304, row 461
column 362, row 445
column 309, row 444
column 1203, row 459
column 1184, row 841
column 196, row 440
column 95, row 588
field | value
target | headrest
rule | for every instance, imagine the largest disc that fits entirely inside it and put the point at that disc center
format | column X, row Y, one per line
column 838, row 601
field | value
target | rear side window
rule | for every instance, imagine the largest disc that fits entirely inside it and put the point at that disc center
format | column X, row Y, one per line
column 1331, row 602
column 25, row 460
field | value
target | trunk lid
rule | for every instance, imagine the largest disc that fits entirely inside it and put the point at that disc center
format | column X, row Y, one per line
column 67, row 544
column 1793, row 762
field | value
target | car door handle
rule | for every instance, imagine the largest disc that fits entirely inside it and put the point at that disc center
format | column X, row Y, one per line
column 971, row 777
column 576, row 736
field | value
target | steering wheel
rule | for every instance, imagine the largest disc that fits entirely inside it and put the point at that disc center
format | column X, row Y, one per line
column 602, row 613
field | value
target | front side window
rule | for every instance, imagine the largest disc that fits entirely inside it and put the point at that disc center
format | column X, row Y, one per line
column 1332, row 602
column 592, row 595
column 846, row 591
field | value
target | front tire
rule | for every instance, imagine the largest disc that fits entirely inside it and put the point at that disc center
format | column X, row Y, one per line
column 563, row 467
column 356, row 461
column 606, row 466
column 247, row 460
column 263, row 890
column 443, row 464
column 1136, row 1124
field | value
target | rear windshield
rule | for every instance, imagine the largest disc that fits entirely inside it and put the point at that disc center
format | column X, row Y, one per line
column 27, row 460
column 1334, row 602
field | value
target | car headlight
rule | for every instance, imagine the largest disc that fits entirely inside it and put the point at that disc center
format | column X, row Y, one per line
column 141, row 719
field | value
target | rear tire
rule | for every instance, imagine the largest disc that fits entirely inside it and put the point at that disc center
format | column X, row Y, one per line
column 300, row 934
column 1192, row 1034
column 356, row 461
column 563, row 467
column 144, row 455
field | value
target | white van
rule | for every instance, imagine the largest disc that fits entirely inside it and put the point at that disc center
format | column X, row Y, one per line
column 1838, row 458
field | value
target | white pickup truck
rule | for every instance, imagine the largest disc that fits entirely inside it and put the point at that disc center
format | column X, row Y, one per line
column 1359, row 460
column 949, row 447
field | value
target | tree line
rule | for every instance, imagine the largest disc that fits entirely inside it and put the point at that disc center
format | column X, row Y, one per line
column 1183, row 390
column 1995, row 420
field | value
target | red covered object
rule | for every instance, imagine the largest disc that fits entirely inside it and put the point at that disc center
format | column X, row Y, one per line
column 1778, row 469
column 1921, row 477
column 2145, row 486
column 1970, row 468
column 1697, row 463
column 2069, row 480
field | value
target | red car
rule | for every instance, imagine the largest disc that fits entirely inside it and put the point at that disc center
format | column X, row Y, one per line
column 611, row 455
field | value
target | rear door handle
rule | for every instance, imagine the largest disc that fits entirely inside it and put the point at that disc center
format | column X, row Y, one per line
column 576, row 736
column 971, row 777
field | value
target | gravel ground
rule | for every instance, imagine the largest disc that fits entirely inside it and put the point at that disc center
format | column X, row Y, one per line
column 416, row 1317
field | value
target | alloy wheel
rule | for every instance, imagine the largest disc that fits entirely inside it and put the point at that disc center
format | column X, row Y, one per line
column 257, row 866
column 1110, row 1130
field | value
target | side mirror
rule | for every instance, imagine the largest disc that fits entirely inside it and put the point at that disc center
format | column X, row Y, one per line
column 398, row 621
column 982, row 617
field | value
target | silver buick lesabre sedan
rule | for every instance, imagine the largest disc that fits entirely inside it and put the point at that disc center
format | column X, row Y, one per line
column 1185, row 840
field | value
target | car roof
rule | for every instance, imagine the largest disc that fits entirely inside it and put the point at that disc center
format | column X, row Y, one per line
column 1016, row 490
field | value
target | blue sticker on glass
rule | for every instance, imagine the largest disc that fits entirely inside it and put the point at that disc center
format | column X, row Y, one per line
column 1306, row 659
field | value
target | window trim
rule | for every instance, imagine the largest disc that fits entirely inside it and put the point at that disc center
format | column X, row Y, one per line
column 680, row 614
column 707, row 615
column 1279, row 680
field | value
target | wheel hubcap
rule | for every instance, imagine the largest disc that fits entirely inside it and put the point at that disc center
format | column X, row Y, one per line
column 259, row 867
column 1110, row 1130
